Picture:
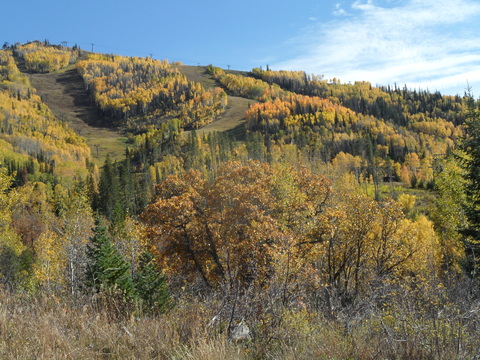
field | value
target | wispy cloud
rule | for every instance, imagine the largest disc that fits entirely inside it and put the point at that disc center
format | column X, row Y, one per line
column 339, row 11
column 432, row 44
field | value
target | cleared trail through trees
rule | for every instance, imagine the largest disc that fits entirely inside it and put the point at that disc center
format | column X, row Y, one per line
column 64, row 93
column 233, row 119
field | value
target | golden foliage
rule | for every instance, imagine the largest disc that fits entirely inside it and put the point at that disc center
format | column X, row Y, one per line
column 41, row 58
column 125, row 87
column 31, row 129
column 50, row 261
column 233, row 228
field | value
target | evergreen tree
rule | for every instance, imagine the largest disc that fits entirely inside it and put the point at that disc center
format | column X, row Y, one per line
column 470, row 162
column 105, row 266
column 127, row 187
column 109, row 194
column 192, row 152
column 255, row 146
column 150, row 284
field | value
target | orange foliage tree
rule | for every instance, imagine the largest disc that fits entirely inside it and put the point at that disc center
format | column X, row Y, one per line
column 272, row 225
column 234, row 228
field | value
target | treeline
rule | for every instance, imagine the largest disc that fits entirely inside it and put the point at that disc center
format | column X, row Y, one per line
column 389, row 103
column 140, row 91
column 246, row 86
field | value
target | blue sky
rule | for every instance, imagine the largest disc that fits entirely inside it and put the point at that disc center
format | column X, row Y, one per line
column 427, row 44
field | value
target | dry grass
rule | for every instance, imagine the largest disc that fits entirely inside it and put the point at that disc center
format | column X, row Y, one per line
column 45, row 327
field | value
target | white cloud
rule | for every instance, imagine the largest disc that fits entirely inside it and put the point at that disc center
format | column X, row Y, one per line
column 363, row 6
column 339, row 11
column 432, row 44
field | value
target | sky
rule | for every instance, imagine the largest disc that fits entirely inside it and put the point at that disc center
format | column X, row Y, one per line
column 423, row 44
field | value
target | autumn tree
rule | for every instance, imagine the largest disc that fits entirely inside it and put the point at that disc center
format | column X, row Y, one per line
column 231, row 229
column 50, row 261
column 76, row 223
column 11, row 246
column 448, row 215
column 362, row 243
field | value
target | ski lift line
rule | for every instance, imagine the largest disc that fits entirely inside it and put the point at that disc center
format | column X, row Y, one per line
column 135, row 52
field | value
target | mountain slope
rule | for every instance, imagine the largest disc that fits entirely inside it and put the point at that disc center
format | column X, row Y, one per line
column 64, row 93
column 233, row 119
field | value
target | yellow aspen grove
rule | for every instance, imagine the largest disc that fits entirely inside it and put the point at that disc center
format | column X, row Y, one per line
column 142, row 90
column 50, row 262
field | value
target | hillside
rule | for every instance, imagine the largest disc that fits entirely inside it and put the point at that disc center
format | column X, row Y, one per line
column 64, row 93
column 232, row 121
column 36, row 145
column 227, row 214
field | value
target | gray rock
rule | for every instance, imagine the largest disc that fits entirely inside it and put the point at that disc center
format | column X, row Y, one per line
column 240, row 332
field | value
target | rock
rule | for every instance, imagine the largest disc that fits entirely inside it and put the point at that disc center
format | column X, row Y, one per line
column 240, row 332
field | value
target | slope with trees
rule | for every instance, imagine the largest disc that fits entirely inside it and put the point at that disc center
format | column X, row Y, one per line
column 43, row 57
column 33, row 140
column 141, row 90
column 271, row 247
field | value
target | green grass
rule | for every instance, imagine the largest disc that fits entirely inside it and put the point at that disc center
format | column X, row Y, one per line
column 424, row 199
column 198, row 74
column 103, row 146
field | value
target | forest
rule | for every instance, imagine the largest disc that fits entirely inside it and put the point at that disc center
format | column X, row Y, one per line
column 337, row 221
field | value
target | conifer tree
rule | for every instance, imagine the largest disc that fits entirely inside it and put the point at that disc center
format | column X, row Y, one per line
column 105, row 266
column 150, row 284
column 109, row 199
column 470, row 162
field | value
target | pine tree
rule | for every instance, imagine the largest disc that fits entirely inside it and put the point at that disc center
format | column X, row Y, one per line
column 106, row 268
column 109, row 197
column 470, row 162
column 127, row 186
column 150, row 284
